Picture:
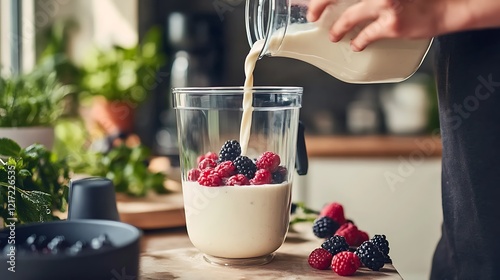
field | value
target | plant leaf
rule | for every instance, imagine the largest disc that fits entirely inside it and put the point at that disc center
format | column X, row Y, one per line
column 33, row 206
column 9, row 148
column 24, row 173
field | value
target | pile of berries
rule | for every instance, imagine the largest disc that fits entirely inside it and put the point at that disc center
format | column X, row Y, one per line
column 230, row 168
column 41, row 244
column 346, row 247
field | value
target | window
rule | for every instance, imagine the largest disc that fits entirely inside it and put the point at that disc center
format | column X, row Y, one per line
column 17, row 35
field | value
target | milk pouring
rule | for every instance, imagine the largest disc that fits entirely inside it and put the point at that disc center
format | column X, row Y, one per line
column 282, row 29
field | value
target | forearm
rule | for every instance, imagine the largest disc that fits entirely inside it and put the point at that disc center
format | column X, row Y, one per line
column 474, row 14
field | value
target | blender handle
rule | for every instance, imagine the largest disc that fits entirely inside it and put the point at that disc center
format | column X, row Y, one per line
column 301, row 161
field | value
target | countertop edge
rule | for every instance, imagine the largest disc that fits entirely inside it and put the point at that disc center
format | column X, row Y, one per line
column 373, row 146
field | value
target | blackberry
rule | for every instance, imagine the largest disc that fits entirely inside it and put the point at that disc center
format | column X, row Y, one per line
column 383, row 245
column 324, row 227
column 370, row 255
column 335, row 244
column 245, row 166
column 229, row 151
column 279, row 176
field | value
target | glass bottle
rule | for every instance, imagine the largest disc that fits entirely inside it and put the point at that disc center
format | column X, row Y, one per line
column 280, row 28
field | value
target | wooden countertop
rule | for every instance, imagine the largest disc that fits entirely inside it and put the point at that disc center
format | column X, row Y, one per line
column 168, row 254
column 373, row 146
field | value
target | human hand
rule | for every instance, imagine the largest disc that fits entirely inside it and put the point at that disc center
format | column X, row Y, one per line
column 410, row 19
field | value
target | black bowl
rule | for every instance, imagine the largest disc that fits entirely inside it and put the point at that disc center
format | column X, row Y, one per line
column 120, row 260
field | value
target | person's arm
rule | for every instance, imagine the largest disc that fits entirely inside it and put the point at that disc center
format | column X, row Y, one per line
column 408, row 18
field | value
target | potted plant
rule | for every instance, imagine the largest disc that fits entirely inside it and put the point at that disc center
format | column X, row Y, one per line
column 29, row 106
column 118, row 79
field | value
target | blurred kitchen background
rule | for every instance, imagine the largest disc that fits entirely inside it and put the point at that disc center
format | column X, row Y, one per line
column 373, row 148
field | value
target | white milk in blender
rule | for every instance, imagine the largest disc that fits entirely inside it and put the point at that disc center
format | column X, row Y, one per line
column 237, row 221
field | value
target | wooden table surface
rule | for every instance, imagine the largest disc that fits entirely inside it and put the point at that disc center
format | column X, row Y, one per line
column 168, row 254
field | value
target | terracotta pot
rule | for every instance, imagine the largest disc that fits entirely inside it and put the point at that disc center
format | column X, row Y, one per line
column 26, row 136
column 110, row 117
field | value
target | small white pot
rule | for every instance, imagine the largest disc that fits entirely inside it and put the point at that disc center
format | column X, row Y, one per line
column 26, row 136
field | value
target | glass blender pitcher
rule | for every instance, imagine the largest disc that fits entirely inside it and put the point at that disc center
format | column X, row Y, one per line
column 280, row 28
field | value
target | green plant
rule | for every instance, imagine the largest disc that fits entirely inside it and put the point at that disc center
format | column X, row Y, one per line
column 33, row 183
column 124, row 74
column 34, row 99
column 127, row 167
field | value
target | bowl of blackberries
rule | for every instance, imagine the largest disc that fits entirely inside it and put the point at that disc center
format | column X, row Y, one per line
column 75, row 249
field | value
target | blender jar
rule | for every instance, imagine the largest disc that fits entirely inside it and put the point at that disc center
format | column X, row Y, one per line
column 236, row 224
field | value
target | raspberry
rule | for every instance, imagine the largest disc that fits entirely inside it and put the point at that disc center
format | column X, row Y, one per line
column 210, row 155
column 279, row 176
column 262, row 177
column 225, row 169
column 350, row 232
column 230, row 151
column 193, row 174
column 335, row 211
column 324, row 227
column 207, row 163
column 335, row 244
column 269, row 161
column 237, row 180
column 345, row 263
column 383, row 245
column 245, row 166
column 362, row 237
column 370, row 255
column 320, row 259
column 209, row 178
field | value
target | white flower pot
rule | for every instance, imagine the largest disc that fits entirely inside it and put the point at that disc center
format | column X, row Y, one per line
column 26, row 136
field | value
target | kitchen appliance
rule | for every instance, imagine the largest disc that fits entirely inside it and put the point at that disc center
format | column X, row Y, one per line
column 90, row 198
column 122, row 259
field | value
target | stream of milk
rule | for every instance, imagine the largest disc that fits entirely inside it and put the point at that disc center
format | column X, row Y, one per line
column 246, row 119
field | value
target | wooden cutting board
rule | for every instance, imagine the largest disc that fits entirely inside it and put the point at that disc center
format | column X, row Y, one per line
column 153, row 211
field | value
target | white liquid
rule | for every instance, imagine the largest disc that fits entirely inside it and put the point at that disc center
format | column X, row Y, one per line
column 246, row 119
column 237, row 221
